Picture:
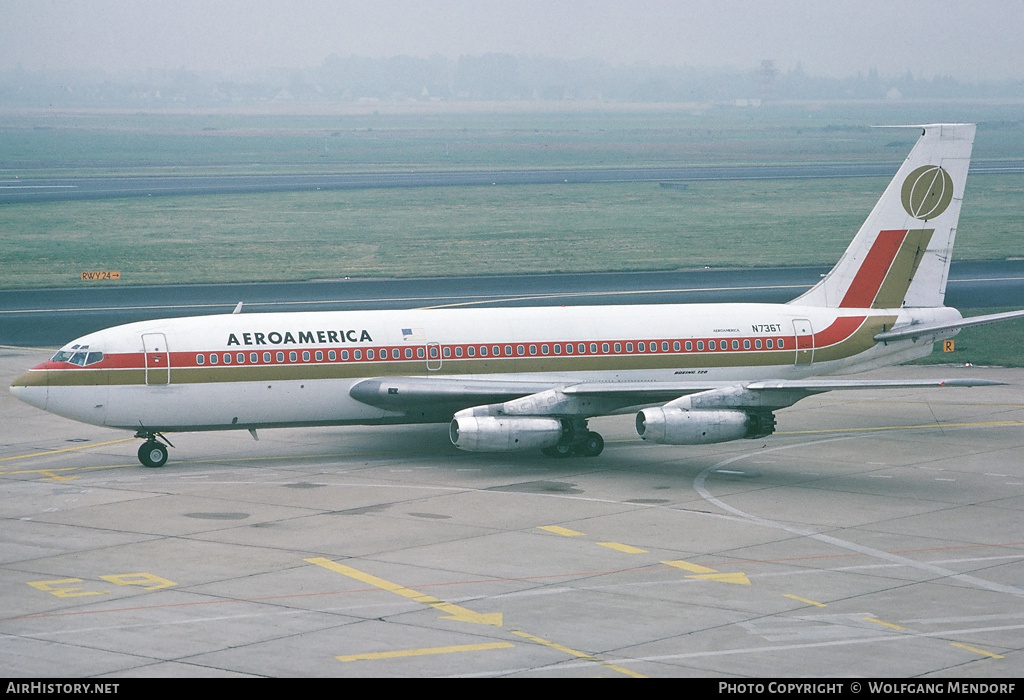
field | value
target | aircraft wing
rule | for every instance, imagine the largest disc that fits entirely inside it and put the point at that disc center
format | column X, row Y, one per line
column 445, row 395
column 404, row 393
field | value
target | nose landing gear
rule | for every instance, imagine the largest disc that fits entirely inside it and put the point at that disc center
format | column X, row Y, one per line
column 153, row 452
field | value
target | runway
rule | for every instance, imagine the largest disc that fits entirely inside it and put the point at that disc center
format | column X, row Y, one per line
column 874, row 535
column 22, row 190
column 51, row 317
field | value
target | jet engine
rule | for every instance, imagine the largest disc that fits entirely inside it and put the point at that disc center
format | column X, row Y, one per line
column 674, row 426
column 504, row 434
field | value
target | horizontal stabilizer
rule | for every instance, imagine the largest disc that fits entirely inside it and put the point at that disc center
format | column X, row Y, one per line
column 921, row 330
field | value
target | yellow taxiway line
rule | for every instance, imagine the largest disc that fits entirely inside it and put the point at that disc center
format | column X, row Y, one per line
column 65, row 449
column 426, row 651
column 976, row 650
column 577, row 654
column 453, row 612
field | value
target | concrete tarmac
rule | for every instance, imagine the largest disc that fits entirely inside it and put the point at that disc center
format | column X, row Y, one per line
column 876, row 534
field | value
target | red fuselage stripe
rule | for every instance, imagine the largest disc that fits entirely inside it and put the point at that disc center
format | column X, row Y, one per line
column 838, row 331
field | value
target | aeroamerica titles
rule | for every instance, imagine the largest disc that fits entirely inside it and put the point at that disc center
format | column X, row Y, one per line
column 300, row 337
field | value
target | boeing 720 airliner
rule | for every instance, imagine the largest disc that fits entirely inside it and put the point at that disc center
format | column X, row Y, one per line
column 530, row 378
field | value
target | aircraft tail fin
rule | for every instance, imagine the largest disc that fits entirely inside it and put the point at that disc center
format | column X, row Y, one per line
column 900, row 257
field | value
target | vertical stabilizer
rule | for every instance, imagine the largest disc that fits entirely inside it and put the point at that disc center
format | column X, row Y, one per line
column 900, row 257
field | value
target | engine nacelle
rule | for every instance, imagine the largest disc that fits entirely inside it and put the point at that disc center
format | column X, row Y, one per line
column 504, row 434
column 674, row 426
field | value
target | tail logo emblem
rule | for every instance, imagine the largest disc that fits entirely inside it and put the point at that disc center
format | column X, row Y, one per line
column 927, row 192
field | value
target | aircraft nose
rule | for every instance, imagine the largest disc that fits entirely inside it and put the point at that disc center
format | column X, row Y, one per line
column 30, row 387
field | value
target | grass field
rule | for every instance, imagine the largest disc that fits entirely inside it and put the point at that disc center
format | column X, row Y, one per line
column 34, row 143
column 996, row 344
column 469, row 231
column 482, row 230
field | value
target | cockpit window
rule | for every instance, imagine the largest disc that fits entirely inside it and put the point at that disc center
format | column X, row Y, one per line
column 78, row 355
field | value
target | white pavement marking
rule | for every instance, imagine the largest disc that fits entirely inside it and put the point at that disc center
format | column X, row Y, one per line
column 698, row 485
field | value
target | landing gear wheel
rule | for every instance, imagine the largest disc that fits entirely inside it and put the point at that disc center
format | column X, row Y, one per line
column 559, row 450
column 153, row 454
column 592, row 445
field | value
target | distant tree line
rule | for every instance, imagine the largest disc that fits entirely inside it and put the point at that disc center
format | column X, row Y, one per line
column 490, row 77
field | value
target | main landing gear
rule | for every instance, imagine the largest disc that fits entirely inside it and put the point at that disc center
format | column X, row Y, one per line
column 577, row 442
column 153, row 452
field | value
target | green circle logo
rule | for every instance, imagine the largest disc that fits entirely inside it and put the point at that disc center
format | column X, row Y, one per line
column 927, row 192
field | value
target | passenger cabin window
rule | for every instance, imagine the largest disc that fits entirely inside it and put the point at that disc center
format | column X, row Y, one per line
column 200, row 360
column 331, row 355
column 782, row 343
column 213, row 358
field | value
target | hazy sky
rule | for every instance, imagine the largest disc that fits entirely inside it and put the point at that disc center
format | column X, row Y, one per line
column 967, row 39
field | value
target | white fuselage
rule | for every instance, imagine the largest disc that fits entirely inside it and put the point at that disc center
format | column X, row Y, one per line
column 288, row 369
